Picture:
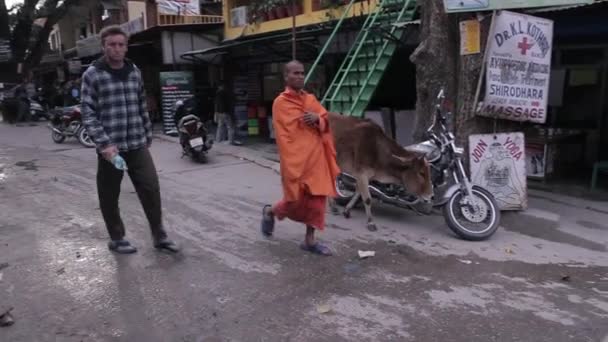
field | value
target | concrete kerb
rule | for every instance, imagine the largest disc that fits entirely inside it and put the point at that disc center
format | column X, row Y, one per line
column 241, row 152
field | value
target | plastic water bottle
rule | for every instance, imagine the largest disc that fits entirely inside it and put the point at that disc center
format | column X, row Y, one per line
column 119, row 163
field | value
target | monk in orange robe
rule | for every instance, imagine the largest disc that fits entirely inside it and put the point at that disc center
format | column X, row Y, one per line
column 308, row 159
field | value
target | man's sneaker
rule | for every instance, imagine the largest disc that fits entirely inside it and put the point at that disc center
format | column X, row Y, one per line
column 166, row 244
column 121, row 247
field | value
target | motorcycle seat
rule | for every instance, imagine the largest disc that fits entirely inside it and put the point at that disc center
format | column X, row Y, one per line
column 187, row 119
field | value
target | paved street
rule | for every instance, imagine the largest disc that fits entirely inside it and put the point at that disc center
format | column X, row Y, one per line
column 542, row 277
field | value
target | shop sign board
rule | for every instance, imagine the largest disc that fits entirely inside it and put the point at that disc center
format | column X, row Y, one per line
column 518, row 68
column 179, row 7
column 470, row 37
column 498, row 163
column 175, row 86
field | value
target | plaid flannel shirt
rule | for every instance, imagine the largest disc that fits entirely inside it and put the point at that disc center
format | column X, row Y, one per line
column 114, row 109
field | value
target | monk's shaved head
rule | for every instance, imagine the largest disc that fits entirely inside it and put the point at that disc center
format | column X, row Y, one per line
column 293, row 73
column 290, row 65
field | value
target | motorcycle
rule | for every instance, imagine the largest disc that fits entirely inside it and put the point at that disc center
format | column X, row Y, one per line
column 192, row 133
column 469, row 210
column 67, row 122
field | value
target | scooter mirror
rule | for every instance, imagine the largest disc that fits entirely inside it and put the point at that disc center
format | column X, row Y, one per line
column 441, row 94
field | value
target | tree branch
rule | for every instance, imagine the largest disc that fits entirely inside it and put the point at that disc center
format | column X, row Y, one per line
column 38, row 48
column 23, row 29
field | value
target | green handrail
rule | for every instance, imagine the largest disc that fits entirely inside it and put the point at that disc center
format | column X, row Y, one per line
column 361, row 38
column 404, row 10
column 331, row 37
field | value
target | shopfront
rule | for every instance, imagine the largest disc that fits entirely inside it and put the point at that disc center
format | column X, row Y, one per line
column 565, row 149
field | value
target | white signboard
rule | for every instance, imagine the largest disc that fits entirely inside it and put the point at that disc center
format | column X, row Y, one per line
column 452, row 6
column 498, row 163
column 518, row 68
column 179, row 7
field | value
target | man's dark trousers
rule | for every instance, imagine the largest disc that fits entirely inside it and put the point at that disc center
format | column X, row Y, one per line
column 143, row 174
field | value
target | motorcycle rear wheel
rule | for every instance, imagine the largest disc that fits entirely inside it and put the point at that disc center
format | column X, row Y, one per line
column 344, row 195
column 484, row 214
column 57, row 137
column 200, row 157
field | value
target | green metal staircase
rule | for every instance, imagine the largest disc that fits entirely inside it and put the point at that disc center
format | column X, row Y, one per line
column 361, row 71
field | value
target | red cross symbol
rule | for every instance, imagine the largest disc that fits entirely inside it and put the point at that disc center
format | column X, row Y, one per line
column 524, row 46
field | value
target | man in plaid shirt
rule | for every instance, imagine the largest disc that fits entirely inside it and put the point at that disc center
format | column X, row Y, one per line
column 115, row 116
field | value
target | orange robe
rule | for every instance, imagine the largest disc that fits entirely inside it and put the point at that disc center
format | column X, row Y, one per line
column 308, row 158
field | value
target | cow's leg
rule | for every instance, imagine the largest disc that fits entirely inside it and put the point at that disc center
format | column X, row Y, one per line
column 351, row 204
column 363, row 188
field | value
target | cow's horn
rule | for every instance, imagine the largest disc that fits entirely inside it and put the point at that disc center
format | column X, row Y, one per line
column 402, row 159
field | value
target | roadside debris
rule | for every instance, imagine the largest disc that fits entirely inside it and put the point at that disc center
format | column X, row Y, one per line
column 6, row 319
column 565, row 277
column 468, row 262
column 366, row 254
column 509, row 251
column 78, row 255
column 61, row 270
column 323, row 308
column 4, row 265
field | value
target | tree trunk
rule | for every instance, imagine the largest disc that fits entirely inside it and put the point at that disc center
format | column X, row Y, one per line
column 23, row 29
column 5, row 31
column 53, row 15
column 436, row 60
column 469, row 73
column 438, row 63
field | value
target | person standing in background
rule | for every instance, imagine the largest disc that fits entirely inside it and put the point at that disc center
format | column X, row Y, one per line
column 224, row 114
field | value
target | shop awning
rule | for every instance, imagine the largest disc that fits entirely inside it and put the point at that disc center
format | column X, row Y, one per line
column 211, row 54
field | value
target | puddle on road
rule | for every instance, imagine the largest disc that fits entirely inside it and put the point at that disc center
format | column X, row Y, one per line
column 546, row 230
column 592, row 225
column 28, row 165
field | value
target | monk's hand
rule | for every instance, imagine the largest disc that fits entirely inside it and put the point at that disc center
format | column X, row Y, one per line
column 311, row 119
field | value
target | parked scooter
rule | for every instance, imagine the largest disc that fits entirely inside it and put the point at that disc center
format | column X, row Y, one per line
column 469, row 210
column 192, row 133
column 39, row 108
column 67, row 122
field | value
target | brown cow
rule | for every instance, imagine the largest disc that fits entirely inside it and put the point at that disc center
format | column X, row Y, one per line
column 366, row 153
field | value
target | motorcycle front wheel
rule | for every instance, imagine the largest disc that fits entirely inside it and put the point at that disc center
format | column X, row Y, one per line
column 475, row 219
column 58, row 138
column 84, row 138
